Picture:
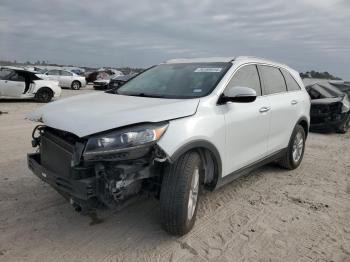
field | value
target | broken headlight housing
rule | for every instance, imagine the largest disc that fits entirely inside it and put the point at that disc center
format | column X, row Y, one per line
column 125, row 139
column 346, row 104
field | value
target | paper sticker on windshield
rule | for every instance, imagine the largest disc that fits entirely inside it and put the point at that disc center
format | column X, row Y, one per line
column 197, row 90
column 208, row 70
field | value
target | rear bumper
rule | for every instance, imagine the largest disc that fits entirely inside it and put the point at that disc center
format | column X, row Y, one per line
column 83, row 189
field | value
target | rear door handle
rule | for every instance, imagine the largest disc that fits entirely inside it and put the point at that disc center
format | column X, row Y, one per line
column 294, row 102
column 264, row 109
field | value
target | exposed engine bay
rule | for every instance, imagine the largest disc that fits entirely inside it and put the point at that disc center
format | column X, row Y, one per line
column 88, row 182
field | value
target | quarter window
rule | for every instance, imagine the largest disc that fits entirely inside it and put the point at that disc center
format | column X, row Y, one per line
column 247, row 76
column 273, row 80
column 292, row 85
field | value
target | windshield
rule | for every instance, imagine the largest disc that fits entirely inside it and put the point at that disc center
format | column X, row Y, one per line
column 176, row 80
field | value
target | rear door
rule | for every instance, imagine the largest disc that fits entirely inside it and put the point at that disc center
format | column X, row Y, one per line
column 66, row 78
column 54, row 75
column 284, row 107
column 247, row 124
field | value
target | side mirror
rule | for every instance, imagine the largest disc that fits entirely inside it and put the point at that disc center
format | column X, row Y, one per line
column 238, row 94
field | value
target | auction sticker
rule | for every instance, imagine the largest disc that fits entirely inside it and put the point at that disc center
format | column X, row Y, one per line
column 208, row 70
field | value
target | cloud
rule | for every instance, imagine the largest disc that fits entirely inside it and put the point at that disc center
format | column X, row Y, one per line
column 306, row 34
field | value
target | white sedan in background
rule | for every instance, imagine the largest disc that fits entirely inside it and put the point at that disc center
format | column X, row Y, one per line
column 19, row 83
column 64, row 77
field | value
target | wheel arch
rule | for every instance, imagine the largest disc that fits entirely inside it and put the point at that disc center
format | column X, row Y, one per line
column 44, row 87
column 210, row 157
column 305, row 124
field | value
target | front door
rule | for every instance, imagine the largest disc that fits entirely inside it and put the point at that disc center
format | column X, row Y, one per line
column 13, row 86
column 247, row 124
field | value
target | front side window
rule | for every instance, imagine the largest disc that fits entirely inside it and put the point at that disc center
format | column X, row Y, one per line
column 292, row 85
column 66, row 73
column 5, row 74
column 16, row 77
column 185, row 80
column 273, row 80
column 53, row 72
column 247, row 76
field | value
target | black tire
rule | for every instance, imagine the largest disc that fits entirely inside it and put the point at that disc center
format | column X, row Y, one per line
column 44, row 95
column 343, row 128
column 76, row 85
column 175, row 216
column 288, row 161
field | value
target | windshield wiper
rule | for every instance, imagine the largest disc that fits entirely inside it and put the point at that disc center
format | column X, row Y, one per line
column 142, row 95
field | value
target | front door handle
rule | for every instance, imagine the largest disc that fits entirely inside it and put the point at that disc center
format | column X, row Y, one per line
column 264, row 109
column 294, row 102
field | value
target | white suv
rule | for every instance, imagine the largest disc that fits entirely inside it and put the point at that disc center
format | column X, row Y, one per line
column 178, row 127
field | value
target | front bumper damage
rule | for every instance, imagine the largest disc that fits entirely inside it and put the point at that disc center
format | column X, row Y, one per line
column 328, row 122
column 92, row 184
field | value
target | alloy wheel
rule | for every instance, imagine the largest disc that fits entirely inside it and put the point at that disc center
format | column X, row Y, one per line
column 193, row 194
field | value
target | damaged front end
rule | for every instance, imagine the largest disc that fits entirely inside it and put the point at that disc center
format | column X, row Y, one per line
column 330, row 108
column 105, row 169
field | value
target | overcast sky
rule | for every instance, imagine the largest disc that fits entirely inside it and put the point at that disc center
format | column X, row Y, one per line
column 305, row 34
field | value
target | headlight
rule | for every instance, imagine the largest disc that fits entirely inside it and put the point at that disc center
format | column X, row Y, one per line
column 124, row 139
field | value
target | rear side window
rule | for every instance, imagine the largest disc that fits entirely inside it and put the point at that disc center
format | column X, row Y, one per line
column 53, row 72
column 247, row 76
column 65, row 73
column 273, row 80
column 292, row 85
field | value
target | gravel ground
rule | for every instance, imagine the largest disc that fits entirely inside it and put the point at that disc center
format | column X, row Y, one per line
column 270, row 215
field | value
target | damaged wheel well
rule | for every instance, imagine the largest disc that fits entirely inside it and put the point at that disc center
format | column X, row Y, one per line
column 305, row 126
column 210, row 158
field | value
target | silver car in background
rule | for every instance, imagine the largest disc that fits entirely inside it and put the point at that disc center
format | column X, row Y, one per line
column 64, row 77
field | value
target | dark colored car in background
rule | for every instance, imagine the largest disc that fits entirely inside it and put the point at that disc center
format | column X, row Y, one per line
column 120, row 80
column 330, row 108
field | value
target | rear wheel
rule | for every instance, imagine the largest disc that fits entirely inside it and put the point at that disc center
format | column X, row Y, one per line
column 179, row 194
column 76, row 85
column 44, row 95
column 295, row 151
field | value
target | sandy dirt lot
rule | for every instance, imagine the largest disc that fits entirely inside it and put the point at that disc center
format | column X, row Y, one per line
column 270, row 215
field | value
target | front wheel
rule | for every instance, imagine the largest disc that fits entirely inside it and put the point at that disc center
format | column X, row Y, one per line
column 295, row 151
column 76, row 85
column 179, row 194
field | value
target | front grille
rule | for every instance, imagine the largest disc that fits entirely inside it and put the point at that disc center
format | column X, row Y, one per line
column 56, row 154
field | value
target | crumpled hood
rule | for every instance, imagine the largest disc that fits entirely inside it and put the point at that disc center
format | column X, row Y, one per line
column 88, row 114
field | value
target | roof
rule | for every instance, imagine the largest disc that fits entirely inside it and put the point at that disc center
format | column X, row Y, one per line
column 201, row 60
column 225, row 59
